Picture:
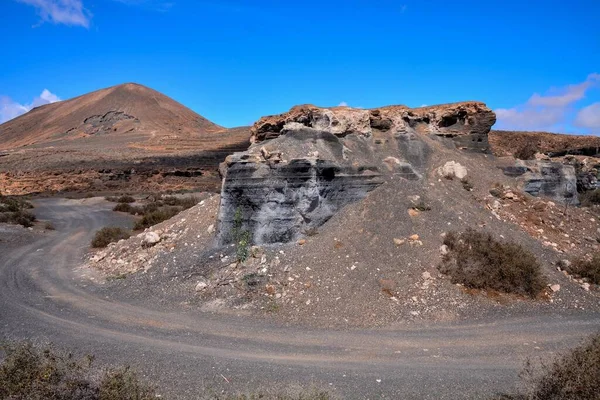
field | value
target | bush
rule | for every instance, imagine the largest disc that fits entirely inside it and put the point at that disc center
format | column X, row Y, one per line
column 108, row 235
column 277, row 392
column 126, row 199
column 478, row 261
column 574, row 375
column 24, row 218
column 526, row 152
column 184, row 202
column 587, row 268
column 122, row 207
column 155, row 217
column 590, row 198
column 31, row 373
column 49, row 226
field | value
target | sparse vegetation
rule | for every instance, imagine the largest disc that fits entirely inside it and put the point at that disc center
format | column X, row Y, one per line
column 157, row 211
column 109, row 234
column 121, row 199
column 293, row 392
column 590, row 198
column 31, row 373
column 575, row 375
column 477, row 260
column 467, row 185
column 156, row 217
column 241, row 237
column 526, row 152
column 49, row 226
column 587, row 268
column 421, row 206
column 13, row 210
column 122, row 207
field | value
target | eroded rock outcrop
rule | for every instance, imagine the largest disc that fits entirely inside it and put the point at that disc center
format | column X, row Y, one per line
column 556, row 181
column 468, row 123
column 306, row 164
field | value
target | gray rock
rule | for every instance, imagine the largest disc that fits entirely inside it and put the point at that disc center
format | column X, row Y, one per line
column 553, row 180
column 150, row 239
column 314, row 175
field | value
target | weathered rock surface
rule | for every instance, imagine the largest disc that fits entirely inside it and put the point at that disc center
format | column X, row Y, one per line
column 505, row 143
column 468, row 123
column 553, row 180
column 295, row 182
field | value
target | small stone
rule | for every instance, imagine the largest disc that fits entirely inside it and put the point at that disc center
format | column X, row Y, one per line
column 200, row 286
column 555, row 288
column 413, row 213
column 414, row 237
column 302, row 242
column 444, row 250
column 211, row 229
column 399, row 242
column 150, row 239
column 414, row 313
column 586, row 286
column 426, row 275
column 308, row 302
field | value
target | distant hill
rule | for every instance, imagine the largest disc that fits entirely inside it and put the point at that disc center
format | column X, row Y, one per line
column 123, row 114
column 94, row 141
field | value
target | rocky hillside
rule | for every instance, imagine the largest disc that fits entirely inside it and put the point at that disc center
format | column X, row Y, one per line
column 336, row 218
column 126, row 137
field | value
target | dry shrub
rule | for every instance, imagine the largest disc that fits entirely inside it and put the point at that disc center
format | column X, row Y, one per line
column 122, row 207
column 478, row 261
column 574, row 375
column 156, row 217
column 590, row 198
column 589, row 269
column 109, row 234
column 24, row 218
column 31, row 373
column 526, row 152
column 291, row 392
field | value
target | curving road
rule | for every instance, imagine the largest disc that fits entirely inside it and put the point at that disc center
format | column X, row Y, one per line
column 43, row 296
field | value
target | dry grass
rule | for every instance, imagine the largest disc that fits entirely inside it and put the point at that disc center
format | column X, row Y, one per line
column 479, row 261
column 587, row 268
column 13, row 210
column 31, row 373
column 590, row 198
column 109, row 234
column 292, row 392
column 572, row 376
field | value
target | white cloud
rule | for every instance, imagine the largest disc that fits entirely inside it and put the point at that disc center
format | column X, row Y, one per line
column 546, row 112
column 589, row 117
column 10, row 109
column 343, row 104
column 67, row 12
column 156, row 5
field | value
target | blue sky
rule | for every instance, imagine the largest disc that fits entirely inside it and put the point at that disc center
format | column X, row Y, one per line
column 535, row 62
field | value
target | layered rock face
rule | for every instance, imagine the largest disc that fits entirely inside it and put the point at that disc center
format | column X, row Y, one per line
column 549, row 179
column 306, row 164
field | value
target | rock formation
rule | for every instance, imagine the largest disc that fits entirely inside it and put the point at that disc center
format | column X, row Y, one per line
column 554, row 180
column 467, row 123
column 306, row 164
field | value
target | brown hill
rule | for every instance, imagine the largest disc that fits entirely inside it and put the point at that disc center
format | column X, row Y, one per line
column 506, row 143
column 104, row 135
column 128, row 111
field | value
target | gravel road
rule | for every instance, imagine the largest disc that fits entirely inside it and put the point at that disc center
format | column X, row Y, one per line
column 44, row 297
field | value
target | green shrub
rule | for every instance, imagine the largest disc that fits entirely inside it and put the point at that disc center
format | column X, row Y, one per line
column 49, row 226
column 574, row 375
column 587, row 268
column 122, row 207
column 477, row 260
column 156, row 217
column 109, row 234
column 241, row 237
column 184, row 202
column 32, row 373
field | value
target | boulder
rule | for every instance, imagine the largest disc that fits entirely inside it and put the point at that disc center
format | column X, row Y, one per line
column 452, row 169
column 150, row 239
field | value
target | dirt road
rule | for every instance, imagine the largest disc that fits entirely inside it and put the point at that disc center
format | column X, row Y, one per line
column 44, row 297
